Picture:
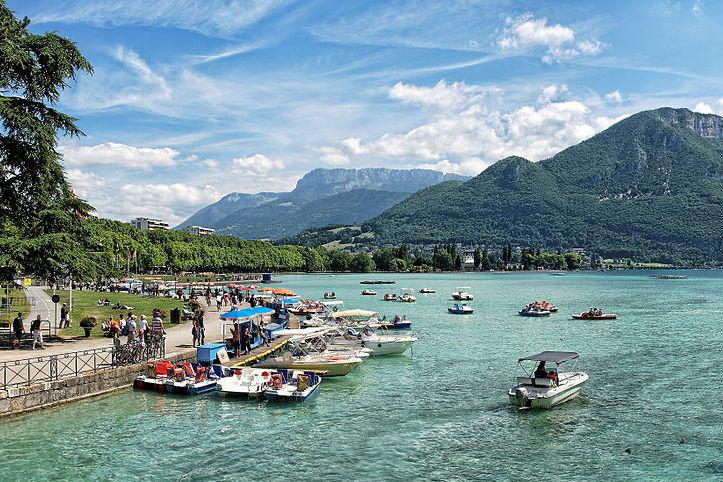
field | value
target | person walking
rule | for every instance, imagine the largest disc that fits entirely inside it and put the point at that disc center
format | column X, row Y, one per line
column 64, row 317
column 201, row 328
column 236, row 340
column 194, row 332
column 246, row 340
column 142, row 328
column 18, row 330
column 37, row 333
column 131, row 325
column 157, row 326
column 219, row 301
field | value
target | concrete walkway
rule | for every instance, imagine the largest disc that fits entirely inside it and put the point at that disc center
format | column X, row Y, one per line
column 178, row 337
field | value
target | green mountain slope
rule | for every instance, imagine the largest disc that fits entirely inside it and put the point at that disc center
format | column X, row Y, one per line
column 649, row 187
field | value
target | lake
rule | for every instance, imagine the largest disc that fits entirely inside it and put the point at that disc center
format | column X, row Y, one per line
column 440, row 413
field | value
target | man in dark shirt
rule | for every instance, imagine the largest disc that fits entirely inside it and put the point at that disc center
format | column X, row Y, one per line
column 18, row 330
column 201, row 329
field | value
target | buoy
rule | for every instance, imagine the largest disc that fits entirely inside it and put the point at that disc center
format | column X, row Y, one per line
column 627, row 451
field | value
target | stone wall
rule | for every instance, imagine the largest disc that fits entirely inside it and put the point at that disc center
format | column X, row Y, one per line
column 47, row 394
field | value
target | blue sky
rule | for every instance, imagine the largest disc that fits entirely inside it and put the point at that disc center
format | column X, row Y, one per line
column 191, row 100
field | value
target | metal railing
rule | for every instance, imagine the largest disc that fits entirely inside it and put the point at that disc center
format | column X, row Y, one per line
column 66, row 365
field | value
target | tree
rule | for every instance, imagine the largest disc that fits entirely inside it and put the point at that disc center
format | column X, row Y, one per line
column 485, row 264
column 458, row 262
column 339, row 260
column 442, row 260
column 383, row 258
column 361, row 263
column 477, row 258
column 573, row 261
column 38, row 204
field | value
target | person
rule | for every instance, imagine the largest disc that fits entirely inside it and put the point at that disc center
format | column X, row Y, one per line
column 201, row 328
column 18, row 330
column 219, row 300
column 540, row 371
column 246, row 340
column 114, row 327
column 194, row 332
column 157, row 325
column 37, row 333
column 122, row 323
column 64, row 317
column 236, row 339
column 131, row 326
column 142, row 328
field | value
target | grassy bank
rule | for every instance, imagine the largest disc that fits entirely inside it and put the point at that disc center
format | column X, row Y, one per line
column 85, row 303
column 19, row 304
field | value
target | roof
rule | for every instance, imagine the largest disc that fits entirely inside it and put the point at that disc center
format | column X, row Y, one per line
column 246, row 313
column 354, row 313
column 552, row 356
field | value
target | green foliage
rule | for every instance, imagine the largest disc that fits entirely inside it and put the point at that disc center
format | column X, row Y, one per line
column 362, row 263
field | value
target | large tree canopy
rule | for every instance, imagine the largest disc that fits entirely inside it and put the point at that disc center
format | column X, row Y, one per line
column 38, row 211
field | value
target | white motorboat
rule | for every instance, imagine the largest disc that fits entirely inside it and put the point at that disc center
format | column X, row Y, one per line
column 462, row 294
column 427, row 291
column 378, row 344
column 407, row 296
column 296, row 386
column 369, row 293
column 243, row 382
column 544, row 387
column 460, row 309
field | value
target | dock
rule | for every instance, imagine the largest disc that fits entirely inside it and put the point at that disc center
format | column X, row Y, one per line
column 262, row 351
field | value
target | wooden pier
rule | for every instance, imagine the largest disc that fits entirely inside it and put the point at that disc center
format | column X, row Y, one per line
column 263, row 351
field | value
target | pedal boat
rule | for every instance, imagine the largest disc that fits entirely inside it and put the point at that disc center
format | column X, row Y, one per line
column 295, row 386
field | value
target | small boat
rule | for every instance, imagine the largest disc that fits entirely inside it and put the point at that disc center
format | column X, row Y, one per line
column 396, row 324
column 462, row 294
column 369, row 293
column 460, row 309
column 543, row 387
column 332, row 366
column 427, row 291
column 184, row 379
column 533, row 312
column 595, row 315
column 296, row 386
column 407, row 296
column 377, row 282
column 378, row 344
column 390, row 297
column 668, row 276
column 329, row 295
column 244, row 382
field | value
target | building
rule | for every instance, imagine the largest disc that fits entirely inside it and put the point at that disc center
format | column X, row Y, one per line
column 468, row 258
column 199, row 230
column 146, row 224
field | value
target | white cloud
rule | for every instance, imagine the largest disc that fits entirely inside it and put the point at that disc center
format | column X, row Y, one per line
column 614, row 96
column 131, row 59
column 119, row 155
column 703, row 108
column 527, row 33
column 85, row 184
column 475, row 134
column 216, row 18
column 336, row 157
column 441, row 96
column 258, row 164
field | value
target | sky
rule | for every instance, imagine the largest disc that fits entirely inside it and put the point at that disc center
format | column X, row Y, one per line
column 191, row 100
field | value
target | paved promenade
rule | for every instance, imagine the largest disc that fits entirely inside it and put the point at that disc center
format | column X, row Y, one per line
column 178, row 337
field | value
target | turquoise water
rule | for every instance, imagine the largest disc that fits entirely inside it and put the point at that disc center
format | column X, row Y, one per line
column 441, row 413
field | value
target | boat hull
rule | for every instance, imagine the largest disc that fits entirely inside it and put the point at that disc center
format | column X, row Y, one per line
column 388, row 347
column 543, row 398
column 600, row 317
column 329, row 369
column 534, row 314
column 161, row 385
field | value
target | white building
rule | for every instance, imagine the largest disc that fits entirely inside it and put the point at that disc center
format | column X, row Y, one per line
column 468, row 258
column 146, row 224
column 199, row 230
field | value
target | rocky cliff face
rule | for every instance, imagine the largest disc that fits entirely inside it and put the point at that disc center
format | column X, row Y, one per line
column 705, row 125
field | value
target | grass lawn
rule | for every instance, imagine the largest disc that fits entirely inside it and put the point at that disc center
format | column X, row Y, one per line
column 85, row 303
column 20, row 304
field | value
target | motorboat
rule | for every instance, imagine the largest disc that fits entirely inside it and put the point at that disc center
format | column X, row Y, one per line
column 427, row 291
column 668, row 276
column 185, row 379
column 462, row 294
column 390, row 297
column 397, row 323
column 536, row 309
column 331, row 366
column 543, row 305
column 308, row 307
column 544, row 387
column 460, row 309
column 407, row 296
column 595, row 314
column 369, row 293
column 329, row 295
column 292, row 385
column 377, row 282
column 244, row 382
column 378, row 344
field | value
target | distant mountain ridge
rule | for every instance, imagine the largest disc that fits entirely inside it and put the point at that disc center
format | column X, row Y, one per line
column 320, row 198
column 648, row 187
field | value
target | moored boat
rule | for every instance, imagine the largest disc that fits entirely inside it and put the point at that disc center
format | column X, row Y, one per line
column 407, row 296
column 297, row 386
column 460, row 309
column 543, row 387
column 595, row 314
column 462, row 294
column 369, row 293
column 427, row 291
column 329, row 295
column 332, row 366
column 243, row 382
column 390, row 297
column 185, row 379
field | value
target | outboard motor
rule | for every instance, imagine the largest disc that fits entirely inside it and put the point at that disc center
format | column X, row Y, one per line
column 522, row 397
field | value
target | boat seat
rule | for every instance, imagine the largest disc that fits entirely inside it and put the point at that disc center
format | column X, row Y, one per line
column 538, row 382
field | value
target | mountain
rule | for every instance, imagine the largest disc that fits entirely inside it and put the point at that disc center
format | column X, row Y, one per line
column 209, row 215
column 649, row 187
column 320, row 198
